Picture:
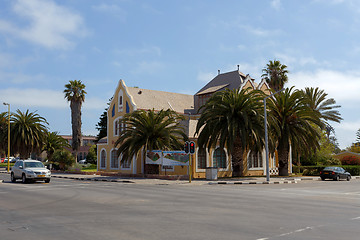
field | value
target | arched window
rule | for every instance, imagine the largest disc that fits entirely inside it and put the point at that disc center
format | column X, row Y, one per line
column 201, row 158
column 114, row 160
column 255, row 160
column 103, row 159
column 219, row 158
column 118, row 127
column 120, row 100
column 126, row 164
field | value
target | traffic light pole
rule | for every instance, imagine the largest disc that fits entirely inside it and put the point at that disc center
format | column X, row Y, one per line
column 189, row 149
column 190, row 167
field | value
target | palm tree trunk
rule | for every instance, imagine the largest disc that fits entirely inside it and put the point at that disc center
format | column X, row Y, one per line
column 76, row 126
column 283, row 151
column 237, row 159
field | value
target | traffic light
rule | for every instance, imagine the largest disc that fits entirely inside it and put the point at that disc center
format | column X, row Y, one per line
column 192, row 147
column 186, row 147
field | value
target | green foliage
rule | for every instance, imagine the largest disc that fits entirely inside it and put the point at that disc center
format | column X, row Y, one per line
column 234, row 119
column 3, row 132
column 28, row 133
column 148, row 130
column 63, row 158
column 275, row 74
column 77, row 167
column 354, row 148
column 317, row 101
column 358, row 136
column 292, row 121
column 353, row 170
column 101, row 126
column 53, row 142
column 315, row 170
column 91, row 157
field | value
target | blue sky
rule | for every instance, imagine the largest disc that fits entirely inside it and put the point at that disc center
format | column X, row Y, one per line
column 175, row 46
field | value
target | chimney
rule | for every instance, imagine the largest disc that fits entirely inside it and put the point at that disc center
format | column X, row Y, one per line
column 238, row 67
column 218, row 71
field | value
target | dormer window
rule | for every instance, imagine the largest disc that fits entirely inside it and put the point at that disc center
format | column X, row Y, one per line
column 120, row 100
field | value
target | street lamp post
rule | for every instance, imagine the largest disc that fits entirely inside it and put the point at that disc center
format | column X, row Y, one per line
column 8, row 161
column 266, row 136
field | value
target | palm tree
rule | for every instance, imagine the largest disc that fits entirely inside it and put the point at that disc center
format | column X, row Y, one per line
column 293, row 123
column 28, row 132
column 275, row 74
column 316, row 100
column 232, row 119
column 150, row 130
column 75, row 94
column 52, row 143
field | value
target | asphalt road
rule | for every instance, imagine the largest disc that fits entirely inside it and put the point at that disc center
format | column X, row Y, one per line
column 70, row 209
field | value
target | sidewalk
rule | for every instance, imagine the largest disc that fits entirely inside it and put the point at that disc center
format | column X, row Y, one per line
column 152, row 181
column 260, row 180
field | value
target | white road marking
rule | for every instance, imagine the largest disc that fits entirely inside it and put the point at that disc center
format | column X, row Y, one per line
column 357, row 218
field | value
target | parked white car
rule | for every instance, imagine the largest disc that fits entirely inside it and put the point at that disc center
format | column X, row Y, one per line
column 30, row 170
column 83, row 161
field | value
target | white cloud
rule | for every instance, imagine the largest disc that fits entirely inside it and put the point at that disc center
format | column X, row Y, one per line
column 49, row 24
column 342, row 86
column 276, row 4
column 20, row 78
column 258, row 31
column 43, row 98
column 113, row 9
column 296, row 60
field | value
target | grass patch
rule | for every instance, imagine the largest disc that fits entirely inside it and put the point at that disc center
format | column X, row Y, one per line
column 5, row 164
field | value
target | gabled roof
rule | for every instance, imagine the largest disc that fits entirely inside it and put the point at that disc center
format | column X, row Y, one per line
column 157, row 100
column 230, row 80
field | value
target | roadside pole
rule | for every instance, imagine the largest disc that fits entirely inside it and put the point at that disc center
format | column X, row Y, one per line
column 190, row 168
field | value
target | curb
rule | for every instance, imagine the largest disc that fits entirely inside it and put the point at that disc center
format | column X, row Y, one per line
column 235, row 183
column 94, row 179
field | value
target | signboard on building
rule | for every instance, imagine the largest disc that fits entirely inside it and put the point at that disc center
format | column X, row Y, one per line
column 167, row 158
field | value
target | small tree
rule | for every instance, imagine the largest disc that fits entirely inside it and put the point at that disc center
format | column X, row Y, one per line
column 64, row 159
column 54, row 142
column 91, row 156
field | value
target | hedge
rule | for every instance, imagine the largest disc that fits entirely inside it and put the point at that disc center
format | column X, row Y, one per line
column 315, row 170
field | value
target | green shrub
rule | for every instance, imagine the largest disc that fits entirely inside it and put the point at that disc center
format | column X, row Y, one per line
column 332, row 162
column 77, row 167
column 353, row 170
column 315, row 170
column 63, row 158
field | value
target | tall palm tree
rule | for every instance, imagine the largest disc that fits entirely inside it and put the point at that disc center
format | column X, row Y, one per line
column 150, row 130
column 53, row 142
column 28, row 131
column 275, row 74
column 293, row 123
column 75, row 94
column 232, row 119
